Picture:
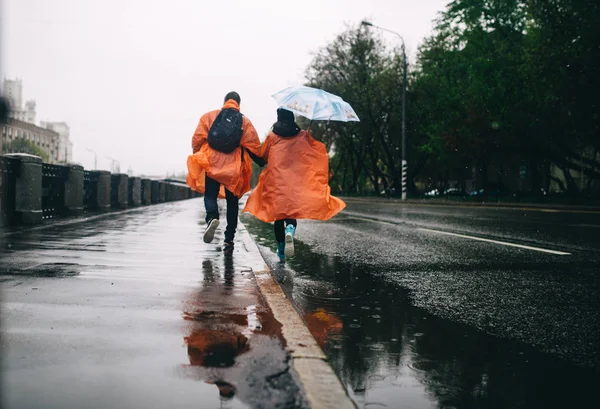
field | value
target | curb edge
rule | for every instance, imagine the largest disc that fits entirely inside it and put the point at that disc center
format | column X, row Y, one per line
column 322, row 387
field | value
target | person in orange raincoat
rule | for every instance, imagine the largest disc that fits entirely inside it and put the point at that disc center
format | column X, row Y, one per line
column 295, row 184
column 219, row 174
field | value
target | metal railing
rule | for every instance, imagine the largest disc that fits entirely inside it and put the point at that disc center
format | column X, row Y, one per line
column 53, row 190
column 142, row 190
column 32, row 191
column 115, row 181
column 90, row 191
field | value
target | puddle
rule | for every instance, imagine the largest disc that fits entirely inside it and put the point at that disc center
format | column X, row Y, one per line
column 322, row 295
column 47, row 270
column 233, row 341
column 212, row 348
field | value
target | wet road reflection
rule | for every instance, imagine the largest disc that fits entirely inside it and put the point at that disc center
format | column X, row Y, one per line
column 234, row 342
column 391, row 354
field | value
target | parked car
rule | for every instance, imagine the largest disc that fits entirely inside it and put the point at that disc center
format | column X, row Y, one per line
column 492, row 191
column 453, row 191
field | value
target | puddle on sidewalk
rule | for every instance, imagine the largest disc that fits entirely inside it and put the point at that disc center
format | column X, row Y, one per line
column 391, row 354
column 47, row 270
column 234, row 342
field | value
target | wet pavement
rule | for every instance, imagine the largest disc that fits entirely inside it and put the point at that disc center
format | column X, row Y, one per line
column 411, row 317
column 133, row 310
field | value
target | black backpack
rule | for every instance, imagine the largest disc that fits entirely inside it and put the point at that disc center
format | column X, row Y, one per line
column 225, row 133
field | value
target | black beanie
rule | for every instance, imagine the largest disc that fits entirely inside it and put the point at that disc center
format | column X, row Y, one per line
column 285, row 125
column 283, row 115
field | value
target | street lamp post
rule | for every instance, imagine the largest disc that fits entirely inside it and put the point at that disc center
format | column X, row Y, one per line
column 115, row 166
column 404, row 161
column 95, row 158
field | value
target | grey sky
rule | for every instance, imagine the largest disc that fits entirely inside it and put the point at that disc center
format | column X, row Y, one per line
column 132, row 77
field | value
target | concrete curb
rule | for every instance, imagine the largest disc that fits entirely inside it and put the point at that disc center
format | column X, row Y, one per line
column 321, row 385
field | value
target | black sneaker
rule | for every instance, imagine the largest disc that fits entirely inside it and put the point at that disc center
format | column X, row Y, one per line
column 209, row 234
column 228, row 248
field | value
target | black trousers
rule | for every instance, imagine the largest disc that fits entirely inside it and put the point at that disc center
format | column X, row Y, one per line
column 280, row 226
column 211, row 194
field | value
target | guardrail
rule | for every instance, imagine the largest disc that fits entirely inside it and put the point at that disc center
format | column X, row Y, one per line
column 32, row 191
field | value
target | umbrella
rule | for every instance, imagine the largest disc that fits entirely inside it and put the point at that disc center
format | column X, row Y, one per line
column 315, row 104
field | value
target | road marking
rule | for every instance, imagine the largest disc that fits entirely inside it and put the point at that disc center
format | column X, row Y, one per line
column 504, row 243
column 351, row 215
column 560, row 253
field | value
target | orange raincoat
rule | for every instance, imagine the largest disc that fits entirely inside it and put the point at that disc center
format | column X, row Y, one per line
column 231, row 170
column 295, row 183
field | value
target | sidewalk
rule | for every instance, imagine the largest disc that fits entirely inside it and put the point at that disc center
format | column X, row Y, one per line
column 134, row 310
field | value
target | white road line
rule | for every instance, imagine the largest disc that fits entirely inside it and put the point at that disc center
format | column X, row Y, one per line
column 560, row 253
column 370, row 219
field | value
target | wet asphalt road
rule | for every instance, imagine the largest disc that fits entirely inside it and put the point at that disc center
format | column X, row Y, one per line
column 133, row 310
column 415, row 312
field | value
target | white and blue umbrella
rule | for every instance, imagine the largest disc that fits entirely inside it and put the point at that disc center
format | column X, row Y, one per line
column 315, row 104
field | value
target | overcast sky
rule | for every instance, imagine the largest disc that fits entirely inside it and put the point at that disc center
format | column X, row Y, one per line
column 132, row 77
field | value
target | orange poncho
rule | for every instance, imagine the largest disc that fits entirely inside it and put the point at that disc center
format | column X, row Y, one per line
column 295, row 183
column 226, row 168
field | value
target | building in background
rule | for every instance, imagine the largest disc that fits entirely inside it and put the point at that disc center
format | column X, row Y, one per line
column 19, row 136
column 13, row 92
column 65, row 147
column 53, row 138
column 28, row 114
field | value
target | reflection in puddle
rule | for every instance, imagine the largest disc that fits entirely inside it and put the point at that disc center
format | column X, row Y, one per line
column 216, row 339
column 215, row 348
column 234, row 342
column 49, row 270
column 389, row 353
column 323, row 325
column 226, row 390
